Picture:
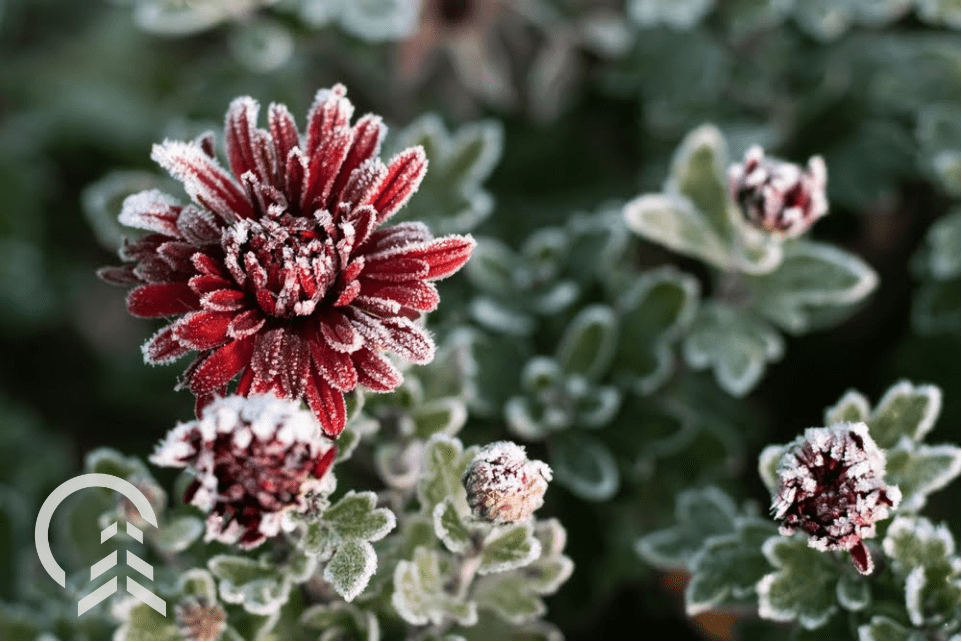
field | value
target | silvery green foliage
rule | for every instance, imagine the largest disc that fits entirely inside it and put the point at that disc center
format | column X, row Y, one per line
column 451, row 198
column 102, row 199
column 830, row 19
column 371, row 20
column 680, row 15
column 764, row 282
column 936, row 308
column 180, row 18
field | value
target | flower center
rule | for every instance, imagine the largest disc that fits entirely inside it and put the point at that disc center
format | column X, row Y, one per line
column 286, row 263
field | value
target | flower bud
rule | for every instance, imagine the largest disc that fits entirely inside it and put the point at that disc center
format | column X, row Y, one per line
column 779, row 197
column 198, row 620
column 831, row 487
column 503, row 485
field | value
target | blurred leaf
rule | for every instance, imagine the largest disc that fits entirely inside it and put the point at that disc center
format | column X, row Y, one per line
column 450, row 528
column 419, row 596
column 803, row 586
column 905, row 410
column 675, row 222
column 444, row 463
column 700, row 515
column 176, row 535
column 589, row 342
column 584, row 465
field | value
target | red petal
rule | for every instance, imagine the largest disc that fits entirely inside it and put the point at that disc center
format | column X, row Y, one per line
column 203, row 284
column 417, row 295
column 204, row 180
column 247, row 149
column 208, row 265
column 336, row 367
column 198, row 227
column 163, row 347
column 348, row 294
column 323, row 463
column 220, row 366
column 861, row 558
column 338, row 332
column 396, row 269
column 284, row 136
column 246, row 323
column 396, row 236
column 223, row 300
column 161, row 299
column 368, row 132
column 404, row 175
column 123, row 275
column 151, row 210
column 323, row 168
column 330, row 111
column 327, row 404
column 446, row 255
column 244, row 383
column 375, row 372
column 203, row 330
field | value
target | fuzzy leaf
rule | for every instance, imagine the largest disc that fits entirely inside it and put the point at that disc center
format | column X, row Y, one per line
column 509, row 597
column 260, row 588
column 881, row 627
column 142, row 622
column 492, row 267
column 654, row 312
column 341, row 621
column 585, row 466
column 853, row 591
column 419, row 596
column 813, row 280
column 447, row 415
column 589, row 342
column 176, row 535
column 699, row 515
column 728, row 567
column 852, row 407
column 698, row 172
column 677, row 14
column 736, row 345
column 443, row 464
column 450, row 527
column 919, row 470
column 905, row 410
column 675, row 222
column 768, row 466
column 915, row 541
column 351, row 567
column 509, row 547
column 356, row 516
column 803, row 586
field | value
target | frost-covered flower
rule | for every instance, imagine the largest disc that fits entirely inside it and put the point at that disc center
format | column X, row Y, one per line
column 776, row 196
column 278, row 271
column 503, row 485
column 198, row 620
column 254, row 460
column 831, row 486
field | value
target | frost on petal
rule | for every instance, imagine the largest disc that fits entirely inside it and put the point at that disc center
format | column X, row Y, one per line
column 215, row 370
column 248, row 149
column 202, row 330
column 404, row 175
column 327, row 404
column 204, row 180
column 503, row 485
column 375, row 372
column 163, row 347
column 153, row 211
column 331, row 110
column 161, row 300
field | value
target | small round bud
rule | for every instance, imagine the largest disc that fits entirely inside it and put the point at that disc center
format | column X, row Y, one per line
column 779, row 197
column 831, row 486
column 198, row 620
column 503, row 485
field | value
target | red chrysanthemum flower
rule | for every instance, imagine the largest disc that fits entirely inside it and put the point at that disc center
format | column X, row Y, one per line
column 278, row 271
column 254, row 460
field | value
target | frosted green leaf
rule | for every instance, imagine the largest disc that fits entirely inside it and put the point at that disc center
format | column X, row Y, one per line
column 768, row 466
column 451, row 198
column 919, row 470
column 812, row 278
column 599, row 244
column 736, row 345
column 199, row 583
column 176, row 535
column 356, row 516
column 675, row 222
column 102, row 201
column 747, row 17
column 509, row 597
column 852, row 407
column 914, row 541
column 524, row 420
column 853, row 592
column 699, row 515
column 944, row 247
column 656, row 311
column 261, row 45
column 938, row 125
column 493, row 315
column 728, row 567
column 444, row 463
column 341, row 621
column 825, row 19
column 881, row 627
column 259, row 587
column 937, row 306
column 699, row 173
column 450, row 528
column 446, row 415
column 940, row 12
column 596, row 406
column 508, row 547
column 803, row 586
column 141, row 622
column 178, row 18
column 351, row 567
column 589, row 342
column 419, row 596
column 585, row 466
column 493, row 266
column 905, row 410
column 379, row 20
column 677, row 14
column 347, row 441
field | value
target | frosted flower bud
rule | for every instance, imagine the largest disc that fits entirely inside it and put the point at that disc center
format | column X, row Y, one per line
column 198, row 620
column 779, row 197
column 254, row 459
column 503, row 485
column 831, row 486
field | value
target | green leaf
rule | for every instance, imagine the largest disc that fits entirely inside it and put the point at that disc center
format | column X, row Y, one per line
column 905, row 410
column 919, row 470
column 881, row 627
column 443, row 464
column 508, row 547
column 584, row 465
column 853, row 407
column 698, row 172
column 677, row 14
column 803, row 586
column 419, row 596
column 813, row 281
column 509, row 597
column 699, row 515
column 341, row 621
column 356, row 516
column 351, row 568
column 142, row 622
column 493, row 267
column 675, row 222
column 853, row 591
column 176, row 535
column 589, row 342
column 258, row 586
column 450, row 527
column 937, row 306
column 911, row 542
column 736, row 345
column 768, row 466
column 939, row 12
column 728, row 567
column 654, row 312
column 446, row 415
